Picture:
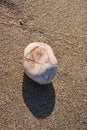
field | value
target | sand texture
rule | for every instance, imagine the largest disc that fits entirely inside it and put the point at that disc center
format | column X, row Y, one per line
column 24, row 104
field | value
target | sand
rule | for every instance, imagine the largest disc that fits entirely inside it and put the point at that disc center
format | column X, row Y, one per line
column 24, row 104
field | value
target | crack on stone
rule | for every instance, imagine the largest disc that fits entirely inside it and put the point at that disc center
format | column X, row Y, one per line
column 27, row 59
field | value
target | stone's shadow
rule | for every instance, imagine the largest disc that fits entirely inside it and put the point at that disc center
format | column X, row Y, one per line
column 40, row 99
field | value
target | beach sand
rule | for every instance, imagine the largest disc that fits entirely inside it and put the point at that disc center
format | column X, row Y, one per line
column 24, row 104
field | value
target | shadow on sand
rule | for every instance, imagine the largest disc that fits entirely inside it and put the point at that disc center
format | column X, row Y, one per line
column 40, row 99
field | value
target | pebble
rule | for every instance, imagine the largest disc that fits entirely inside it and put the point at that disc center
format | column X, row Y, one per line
column 40, row 63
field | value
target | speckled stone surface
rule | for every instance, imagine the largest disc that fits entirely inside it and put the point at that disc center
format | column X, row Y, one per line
column 25, row 105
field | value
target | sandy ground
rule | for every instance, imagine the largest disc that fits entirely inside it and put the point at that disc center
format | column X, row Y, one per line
column 25, row 105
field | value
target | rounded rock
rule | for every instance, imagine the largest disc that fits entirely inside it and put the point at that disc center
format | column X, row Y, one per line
column 40, row 63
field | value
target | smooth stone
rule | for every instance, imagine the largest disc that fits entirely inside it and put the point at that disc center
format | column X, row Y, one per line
column 40, row 63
